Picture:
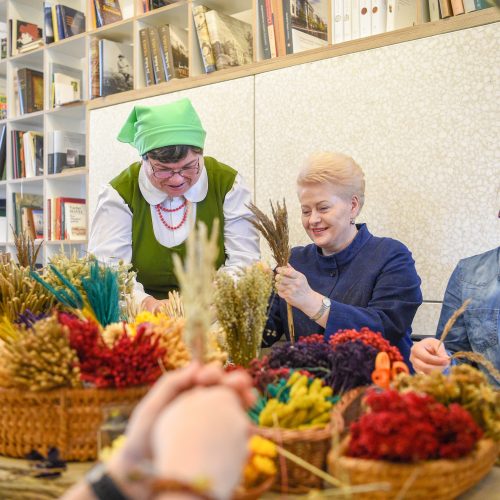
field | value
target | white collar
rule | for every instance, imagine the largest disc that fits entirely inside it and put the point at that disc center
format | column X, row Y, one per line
column 154, row 196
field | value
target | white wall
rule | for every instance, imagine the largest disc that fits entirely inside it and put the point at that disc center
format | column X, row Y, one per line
column 421, row 117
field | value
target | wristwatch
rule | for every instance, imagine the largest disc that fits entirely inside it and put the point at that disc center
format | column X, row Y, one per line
column 103, row 485
column 325, row 305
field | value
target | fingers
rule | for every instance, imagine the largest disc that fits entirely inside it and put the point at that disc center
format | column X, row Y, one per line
column 241, row 383
column 425, row 356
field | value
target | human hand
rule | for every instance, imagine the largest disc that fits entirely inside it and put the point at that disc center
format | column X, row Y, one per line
column 293, row 287
column 153, row 305
column 194, row 441
column 137, row 446
column 426, row 357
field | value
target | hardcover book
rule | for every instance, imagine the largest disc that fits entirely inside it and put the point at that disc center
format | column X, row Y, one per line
column 115, row 67
column 401, row 13
column 72, row 21
column 156, row 55
column 25, row 34
column 25, row 200
column 309, row 25
column 30, row 88
column 200, row 23
column 75, row 220
column 231, row 40
column 146, row 57
column 65, row 150
column 177, row 44
column 66, row 84
column 48, row 28
column 107, row 12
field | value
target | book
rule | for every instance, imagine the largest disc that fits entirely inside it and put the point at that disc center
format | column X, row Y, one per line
column 48, row 27
column 37, row 217
column 75, row 219
column 309, row 28
column 231, row 40
column 27, row 222
column 72, row 21
column 338, row 21
column 107, row 12
column 3, row 151
column 457, row 7
column 177, row 43
column 3, row 40
column 354, row 19
column 287, row 26
column 30, row 88
column 94, row 68
column 3, row 104
column 163, row 33
column 146, row 57
column 115, row 67
column 270, row 29
column 33, row 153
column 423, row 15
column 66, row 84
column 347, row 20
column 23, row 33
column 264, row 33
column 445, row 8
column 279, row 27
column 469, row 6
column 379, row 16
column 156, row 55
column 24, row 200
column 65, row 150
column 203, row 37
column 401, row 13
column 434, row 10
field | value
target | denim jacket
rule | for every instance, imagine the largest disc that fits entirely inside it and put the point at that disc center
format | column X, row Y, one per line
column 478, row 329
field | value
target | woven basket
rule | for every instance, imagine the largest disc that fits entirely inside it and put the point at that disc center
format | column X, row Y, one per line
column 66, row 418
column 311, row 445
column 255, row 492
column 436, row 479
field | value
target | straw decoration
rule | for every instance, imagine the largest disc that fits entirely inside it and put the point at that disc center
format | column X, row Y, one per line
column 451, row 322
column 480, row 359
column 26, row 250
column 174, row 307
column 276, row 234
column 195, row 278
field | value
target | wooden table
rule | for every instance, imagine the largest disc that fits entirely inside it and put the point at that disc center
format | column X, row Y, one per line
column 15, row 487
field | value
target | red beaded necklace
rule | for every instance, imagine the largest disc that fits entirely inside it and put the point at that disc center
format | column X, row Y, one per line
column 159, row 209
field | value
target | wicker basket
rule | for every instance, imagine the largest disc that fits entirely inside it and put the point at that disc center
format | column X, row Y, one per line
column 255, row 492
column 436, row 479
column 311, row 445
column 66, row 418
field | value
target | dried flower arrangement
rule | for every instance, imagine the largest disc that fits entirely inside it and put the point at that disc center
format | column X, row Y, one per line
column 276, row 234
column 241, row 306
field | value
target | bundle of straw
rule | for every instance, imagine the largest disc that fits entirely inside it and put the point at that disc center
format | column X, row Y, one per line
column 276, row 234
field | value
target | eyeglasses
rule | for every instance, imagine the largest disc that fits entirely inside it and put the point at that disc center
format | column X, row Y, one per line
column 167, row 173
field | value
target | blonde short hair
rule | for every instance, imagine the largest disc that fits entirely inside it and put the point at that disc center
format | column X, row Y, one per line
column 339, row 170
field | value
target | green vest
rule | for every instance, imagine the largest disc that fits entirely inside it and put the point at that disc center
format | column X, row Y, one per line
column 151, row 260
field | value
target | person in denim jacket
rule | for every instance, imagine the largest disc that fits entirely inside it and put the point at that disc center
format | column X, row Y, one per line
column 478, row 329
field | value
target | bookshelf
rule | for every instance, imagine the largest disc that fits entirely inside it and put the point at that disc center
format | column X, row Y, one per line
column 75, row 52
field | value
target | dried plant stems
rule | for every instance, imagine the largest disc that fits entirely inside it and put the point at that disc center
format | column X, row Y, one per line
column 26, row 250
column 276, row 234
column 480, row 359
column 241, row 307
column 174, row 307
column 195, row 278
column 451, row 322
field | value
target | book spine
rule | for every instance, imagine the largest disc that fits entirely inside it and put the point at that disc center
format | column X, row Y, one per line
column 164, row 33
column 481, row 4
column 469, row 5
column 264, row 33
column 206, row 51
column 287, row 26
column 154, row 42
column 48, row 27
column 60, row 22
column 22, row 78
column 379, row 16
column 457, row 7
column 434, row 10
column 338, row 21
column 270, row 29
column 54, row 23
column 347, row 20
column 279, row 28
column 146, row 57
column 445, row 8
column 94, row 68
column 365, row 18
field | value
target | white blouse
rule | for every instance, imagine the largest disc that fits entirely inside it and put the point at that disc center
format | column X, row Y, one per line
column 111, row 231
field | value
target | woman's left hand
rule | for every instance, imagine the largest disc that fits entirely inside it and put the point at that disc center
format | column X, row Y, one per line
column 293, row 287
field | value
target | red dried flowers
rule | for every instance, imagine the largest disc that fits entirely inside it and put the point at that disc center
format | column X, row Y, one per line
column 130, row 361
column 410, row 427
column 368, row 337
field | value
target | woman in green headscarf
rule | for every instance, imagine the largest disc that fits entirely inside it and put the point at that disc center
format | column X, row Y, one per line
column 145, row 214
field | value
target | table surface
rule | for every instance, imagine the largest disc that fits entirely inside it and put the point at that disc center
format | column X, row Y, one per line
column 14, row 486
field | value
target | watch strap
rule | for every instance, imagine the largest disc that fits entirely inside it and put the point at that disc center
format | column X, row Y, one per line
column 325, row 305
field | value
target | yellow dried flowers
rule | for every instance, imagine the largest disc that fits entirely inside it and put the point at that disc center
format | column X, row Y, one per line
column 261, row 463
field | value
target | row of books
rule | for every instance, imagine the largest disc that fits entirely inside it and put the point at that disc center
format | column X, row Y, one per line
column 164, row 53
column 28, row 214
column 441, row 9
column 27, row 153
column 105, row 12
column 224, row 41
column 61, row 21
column 68, row 219
column 110, row 67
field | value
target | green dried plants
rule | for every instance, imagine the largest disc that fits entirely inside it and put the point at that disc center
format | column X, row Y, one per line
column 40, row 358
column 241, row 307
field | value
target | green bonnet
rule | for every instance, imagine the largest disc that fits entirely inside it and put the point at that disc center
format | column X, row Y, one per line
column 172, row 124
